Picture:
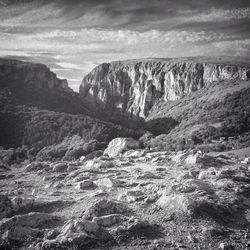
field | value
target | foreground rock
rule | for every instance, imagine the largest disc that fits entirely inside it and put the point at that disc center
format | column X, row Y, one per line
column 21, row 227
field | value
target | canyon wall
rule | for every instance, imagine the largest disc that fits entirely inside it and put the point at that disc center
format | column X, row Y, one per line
column 134, row 86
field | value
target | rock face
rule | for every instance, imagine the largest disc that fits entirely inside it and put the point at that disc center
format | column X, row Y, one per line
column 34, row 84
column 30, row 74
column 133, row 87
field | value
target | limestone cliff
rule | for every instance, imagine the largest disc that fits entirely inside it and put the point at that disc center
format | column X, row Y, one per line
column 35, row 85
column 14, row 71
column 134, row 86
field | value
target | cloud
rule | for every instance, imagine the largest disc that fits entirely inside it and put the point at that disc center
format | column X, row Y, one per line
column 220, row 15
column 72, row 37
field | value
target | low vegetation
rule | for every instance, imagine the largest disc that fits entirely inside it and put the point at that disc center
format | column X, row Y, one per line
column 217, row 119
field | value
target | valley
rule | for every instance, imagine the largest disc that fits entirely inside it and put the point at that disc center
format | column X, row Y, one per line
column 150, row 154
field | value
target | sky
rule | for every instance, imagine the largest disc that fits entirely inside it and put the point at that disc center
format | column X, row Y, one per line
column 74, row 36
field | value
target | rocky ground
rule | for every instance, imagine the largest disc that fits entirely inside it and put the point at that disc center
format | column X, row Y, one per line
column 138, row 200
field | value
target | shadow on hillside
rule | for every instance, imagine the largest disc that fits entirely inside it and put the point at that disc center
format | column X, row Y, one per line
column 161, row 125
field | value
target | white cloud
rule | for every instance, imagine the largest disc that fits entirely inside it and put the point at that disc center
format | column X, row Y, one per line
column 219, row 15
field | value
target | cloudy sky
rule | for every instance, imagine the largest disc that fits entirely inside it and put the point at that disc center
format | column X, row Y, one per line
column 73, row 36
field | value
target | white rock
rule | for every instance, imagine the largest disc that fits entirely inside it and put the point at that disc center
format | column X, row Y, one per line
column 191, row 159
column 246, row 161
column 109, row 220
column 82, row 158
column 120, row 145
column 176, row 203
column 108, row 182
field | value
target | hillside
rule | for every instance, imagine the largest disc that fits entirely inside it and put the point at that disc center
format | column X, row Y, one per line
column 72, row 181
column 217, row 117
column 194, row 100
column 38, row 110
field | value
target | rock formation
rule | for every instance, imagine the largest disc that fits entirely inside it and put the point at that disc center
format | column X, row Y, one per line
column 30, row 74
column 29, row 96
column 35, row 85
column 134, row 86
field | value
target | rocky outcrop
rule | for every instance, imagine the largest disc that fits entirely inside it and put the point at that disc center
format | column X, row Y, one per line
column 134, row 86
column 29, row 75
column 35, row 85
column 24, row 86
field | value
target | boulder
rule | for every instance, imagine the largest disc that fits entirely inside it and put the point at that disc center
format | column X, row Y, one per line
column 132, row 196
column 177, row 203
column 207, row 174
column 60, row 167
column 21, row 226
column 99, row 164
column 108, row 182
column 120, row 145
column 106, row 207
column 191, row 159
column 109, row 220
column 246, row 160
column 76, row 234
column 82, row 225
column 85, row 185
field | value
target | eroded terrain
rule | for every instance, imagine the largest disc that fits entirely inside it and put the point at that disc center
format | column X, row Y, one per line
column 139, row 200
